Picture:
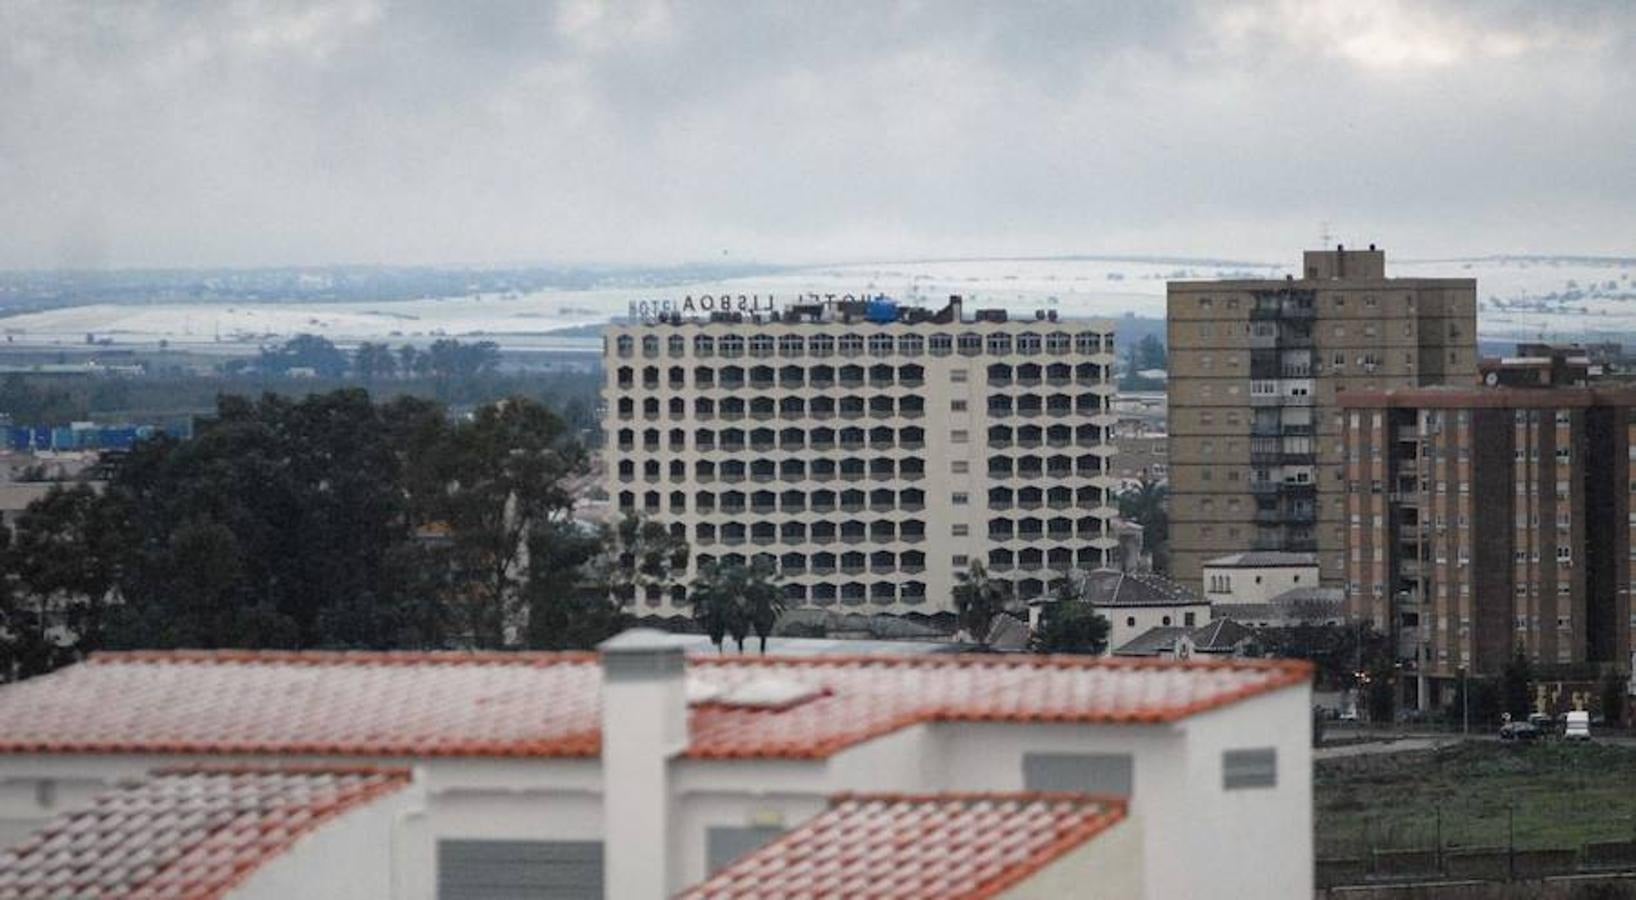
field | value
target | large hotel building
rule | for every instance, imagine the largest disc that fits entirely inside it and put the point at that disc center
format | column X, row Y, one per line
column 1257, row 368
column 1485, row 519
column 869, row 451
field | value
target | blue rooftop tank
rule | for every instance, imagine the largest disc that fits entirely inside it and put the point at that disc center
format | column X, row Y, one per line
column 882, row 310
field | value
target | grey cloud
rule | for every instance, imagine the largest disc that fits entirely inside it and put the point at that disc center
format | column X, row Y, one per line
column 418, row 131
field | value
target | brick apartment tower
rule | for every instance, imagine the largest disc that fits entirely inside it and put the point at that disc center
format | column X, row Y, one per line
column 1256, row 367
column 1487, row 518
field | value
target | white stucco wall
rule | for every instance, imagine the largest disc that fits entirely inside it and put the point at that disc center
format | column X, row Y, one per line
column 347, row 857
column 1108, row 867
column 1254, row 842
column 1121, row 630
column 1257, row 584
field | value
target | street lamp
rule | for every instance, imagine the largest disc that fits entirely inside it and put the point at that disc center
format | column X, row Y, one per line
column 1465, row 703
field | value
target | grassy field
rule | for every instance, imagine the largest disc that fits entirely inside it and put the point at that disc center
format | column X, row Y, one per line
column 1557, row 795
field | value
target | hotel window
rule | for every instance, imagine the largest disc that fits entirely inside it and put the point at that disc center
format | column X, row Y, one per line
column 850, row 344
column 971, row 344
column 940, row 344
column 880, row 345
column 960, row 499
column 960, row 530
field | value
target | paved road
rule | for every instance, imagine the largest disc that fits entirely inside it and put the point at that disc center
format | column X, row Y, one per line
column 1394, row 745
column 1404, row 742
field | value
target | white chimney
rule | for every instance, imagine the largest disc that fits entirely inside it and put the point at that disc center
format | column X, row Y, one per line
column 644, row 724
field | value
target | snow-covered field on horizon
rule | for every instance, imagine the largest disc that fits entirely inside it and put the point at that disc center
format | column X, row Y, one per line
column 1561, row 299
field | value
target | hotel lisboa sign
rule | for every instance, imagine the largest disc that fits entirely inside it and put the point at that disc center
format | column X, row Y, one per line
column 749, row 304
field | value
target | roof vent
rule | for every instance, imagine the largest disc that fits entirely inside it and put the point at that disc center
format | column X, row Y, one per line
column 767, row 692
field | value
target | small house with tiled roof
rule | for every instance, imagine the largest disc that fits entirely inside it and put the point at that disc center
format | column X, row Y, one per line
column 1257, row 576
column 641, row 771
column 1136, row 602
column 1219, row 638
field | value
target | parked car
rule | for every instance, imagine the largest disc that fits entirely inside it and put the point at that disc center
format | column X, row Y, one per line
column 1519, row 731
column 1577, row 727
column 1548, row 727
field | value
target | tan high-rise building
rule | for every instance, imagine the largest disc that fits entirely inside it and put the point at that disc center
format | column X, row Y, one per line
column 870, row 453
column 1256, row 367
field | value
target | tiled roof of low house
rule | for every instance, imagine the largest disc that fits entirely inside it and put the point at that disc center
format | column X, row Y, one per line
column 1152, row 642
column 1296, row 605
column 1263, row 559
column 194, row 833
column 1111, row 587
column 548, row 704
column 1219, row 636
column 962, row 846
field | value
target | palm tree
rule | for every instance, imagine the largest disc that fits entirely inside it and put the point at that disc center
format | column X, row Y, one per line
column 978, row 599
column 716, row 608
column 1146, row 505
column 732, row 601
column 763, row 602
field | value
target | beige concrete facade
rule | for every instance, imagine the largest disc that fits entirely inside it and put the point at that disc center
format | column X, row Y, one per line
column 870, row 462
column 1256, row 367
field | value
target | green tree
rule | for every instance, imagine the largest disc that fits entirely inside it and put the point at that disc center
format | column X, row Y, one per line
column 451, row 359
column 568, row 607
column 504, row 474
column 1148, row 505
column 36, row 405
column 641, row 555
column 763, row 601
column 374, row 361
column 718, row 607
column 1070, row 624
column 978, row 599
column 1614, row 687
column 411, row 361
column 29, row 644
column 308, row 351
column 65, row 554
column 1149, row 353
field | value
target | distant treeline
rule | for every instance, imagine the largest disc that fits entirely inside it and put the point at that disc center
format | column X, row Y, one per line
column 457, row 374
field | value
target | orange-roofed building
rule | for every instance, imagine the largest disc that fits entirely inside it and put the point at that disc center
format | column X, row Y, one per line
column 246, row 832
column 641, row 771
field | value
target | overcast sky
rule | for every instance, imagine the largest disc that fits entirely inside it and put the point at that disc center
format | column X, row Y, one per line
column 235, row 132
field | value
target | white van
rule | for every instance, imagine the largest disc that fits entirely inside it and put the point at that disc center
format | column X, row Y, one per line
column 1577, row 727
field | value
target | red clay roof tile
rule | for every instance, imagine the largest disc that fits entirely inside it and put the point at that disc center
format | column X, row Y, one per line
column 188, row 832
column 895, row 847
column 542, row 704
